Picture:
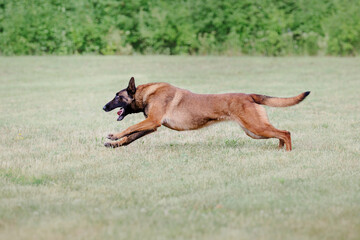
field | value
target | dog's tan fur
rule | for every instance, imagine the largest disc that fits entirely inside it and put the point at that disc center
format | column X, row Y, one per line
column 180, row 110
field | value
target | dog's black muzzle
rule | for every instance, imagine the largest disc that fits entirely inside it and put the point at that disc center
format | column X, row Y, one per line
column 110, row 106
column 106, row 108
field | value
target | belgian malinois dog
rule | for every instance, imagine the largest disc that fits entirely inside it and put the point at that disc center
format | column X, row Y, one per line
column 180, row 109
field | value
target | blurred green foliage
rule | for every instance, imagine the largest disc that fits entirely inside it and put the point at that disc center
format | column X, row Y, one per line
column 233, row 27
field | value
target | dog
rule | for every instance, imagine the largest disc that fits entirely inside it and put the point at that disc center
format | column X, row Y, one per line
column 180, row 109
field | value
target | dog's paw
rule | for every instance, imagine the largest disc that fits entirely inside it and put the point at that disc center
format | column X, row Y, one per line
column 108, row 145
column 112, row 137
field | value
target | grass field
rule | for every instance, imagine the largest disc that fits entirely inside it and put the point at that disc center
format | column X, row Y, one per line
column 57, row 181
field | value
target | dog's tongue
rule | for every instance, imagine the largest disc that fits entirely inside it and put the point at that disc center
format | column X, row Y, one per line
column 120, row 111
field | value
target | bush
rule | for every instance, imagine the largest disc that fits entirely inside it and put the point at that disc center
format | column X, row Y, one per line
column 260, row 27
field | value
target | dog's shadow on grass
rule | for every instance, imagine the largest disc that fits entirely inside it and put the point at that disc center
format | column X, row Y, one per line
column 218, row 145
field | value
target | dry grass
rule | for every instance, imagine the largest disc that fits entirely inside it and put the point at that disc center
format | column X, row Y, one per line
column 59, row 182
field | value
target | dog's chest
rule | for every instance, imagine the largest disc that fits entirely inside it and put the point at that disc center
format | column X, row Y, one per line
column 182, row 121
column 173, row 123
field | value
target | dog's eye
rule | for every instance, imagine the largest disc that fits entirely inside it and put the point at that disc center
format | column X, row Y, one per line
column 117, row 97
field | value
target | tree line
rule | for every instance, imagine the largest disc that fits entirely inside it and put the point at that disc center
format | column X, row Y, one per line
column 230, row 27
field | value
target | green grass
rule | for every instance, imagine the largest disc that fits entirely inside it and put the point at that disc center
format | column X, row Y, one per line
column 57, row 181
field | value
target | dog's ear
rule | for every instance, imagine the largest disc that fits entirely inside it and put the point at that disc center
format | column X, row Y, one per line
column 131, row 89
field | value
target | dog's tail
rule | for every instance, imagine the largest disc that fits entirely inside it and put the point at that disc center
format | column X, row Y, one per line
column 279, row 102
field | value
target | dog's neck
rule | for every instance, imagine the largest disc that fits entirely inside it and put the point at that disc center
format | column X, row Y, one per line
column 142, row 95
column 138, row 105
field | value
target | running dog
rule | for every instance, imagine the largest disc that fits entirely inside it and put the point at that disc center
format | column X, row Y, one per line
column 180, row 109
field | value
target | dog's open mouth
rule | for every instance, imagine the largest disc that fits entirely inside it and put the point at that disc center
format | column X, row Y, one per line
column 120, row 113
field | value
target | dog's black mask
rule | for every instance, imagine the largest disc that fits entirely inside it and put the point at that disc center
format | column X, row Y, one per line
column 122, row 100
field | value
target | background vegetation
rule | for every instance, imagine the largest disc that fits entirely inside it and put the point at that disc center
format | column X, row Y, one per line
column 260, row 27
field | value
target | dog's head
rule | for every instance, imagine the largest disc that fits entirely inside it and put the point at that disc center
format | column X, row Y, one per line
column 123, row 100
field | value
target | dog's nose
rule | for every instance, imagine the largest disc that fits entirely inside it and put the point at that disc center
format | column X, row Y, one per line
column 104, row 108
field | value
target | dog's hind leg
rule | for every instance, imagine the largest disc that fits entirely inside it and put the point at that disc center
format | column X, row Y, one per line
column 128, row 139
column 253, row 119
column 281, row 143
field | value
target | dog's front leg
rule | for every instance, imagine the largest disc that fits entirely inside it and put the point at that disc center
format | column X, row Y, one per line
column 128, row 139
column 146, row 125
